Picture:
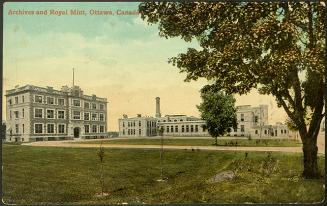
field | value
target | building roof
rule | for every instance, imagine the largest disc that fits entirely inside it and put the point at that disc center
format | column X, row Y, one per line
column 65, row 90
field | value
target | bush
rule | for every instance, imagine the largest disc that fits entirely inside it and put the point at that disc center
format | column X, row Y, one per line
column 269, row 165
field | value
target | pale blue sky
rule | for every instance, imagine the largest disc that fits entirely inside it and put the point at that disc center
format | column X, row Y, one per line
column 121, row 58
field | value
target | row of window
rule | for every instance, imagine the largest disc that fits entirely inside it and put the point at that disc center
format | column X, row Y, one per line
column 16, row 114
column 17, row 129
column 94, row 116
column 169, row 120
column 265, row 131
column 49, row 100
column 132, row 132
column 38, row 128
column 132, row 124
column 50, row 128
column 87, row 105
column 16, row 99
column 282, row 131
column 256, row 118
column 50, row 114
column 94, row 129
column 184, row 128
column 169, row 129
column 150, row 124
column 61, row 102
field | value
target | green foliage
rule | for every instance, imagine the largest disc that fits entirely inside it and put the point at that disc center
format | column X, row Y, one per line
column 276, row 47
column 218, row 110
column 290, row 125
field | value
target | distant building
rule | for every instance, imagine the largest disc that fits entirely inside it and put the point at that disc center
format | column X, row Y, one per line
column 137, row 126
column 182, row 125
column 37, row 114
column 173, row 125
column 252, row 121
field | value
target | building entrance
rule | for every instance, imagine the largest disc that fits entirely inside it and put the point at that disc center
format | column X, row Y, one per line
column 76, row 132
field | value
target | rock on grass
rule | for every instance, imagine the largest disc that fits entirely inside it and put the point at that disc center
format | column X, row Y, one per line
column 222, row 176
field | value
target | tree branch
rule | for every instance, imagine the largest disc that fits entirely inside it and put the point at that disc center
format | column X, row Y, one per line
column 298, row 107
column 317, row 115
column 292, row 116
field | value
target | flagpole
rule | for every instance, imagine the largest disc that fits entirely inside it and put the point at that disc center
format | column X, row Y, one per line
column 73, row 77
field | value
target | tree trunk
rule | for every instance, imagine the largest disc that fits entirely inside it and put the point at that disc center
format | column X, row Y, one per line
column 216, row 141
column 310, row 151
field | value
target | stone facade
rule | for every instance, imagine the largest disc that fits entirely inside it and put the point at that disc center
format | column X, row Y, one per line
column 37, row 114
column 137, row 126
column 182, row 125
column 172, row 125
column 253, row 122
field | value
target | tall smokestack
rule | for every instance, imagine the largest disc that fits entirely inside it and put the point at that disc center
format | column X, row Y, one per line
column 158, row 114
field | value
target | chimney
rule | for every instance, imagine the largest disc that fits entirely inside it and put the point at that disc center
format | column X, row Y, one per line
column 158, row 114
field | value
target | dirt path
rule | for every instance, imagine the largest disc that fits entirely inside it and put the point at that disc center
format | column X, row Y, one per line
column 74, row 144
column 219, row 148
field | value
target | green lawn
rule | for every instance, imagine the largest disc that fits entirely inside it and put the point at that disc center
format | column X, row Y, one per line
column 34, row 175
column 204, row 142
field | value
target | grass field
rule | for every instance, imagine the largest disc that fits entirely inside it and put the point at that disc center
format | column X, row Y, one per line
column 204, row 142
column 34, row 175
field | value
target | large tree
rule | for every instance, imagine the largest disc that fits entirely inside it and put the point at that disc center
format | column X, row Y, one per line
column 218, row 110
column 278, row 48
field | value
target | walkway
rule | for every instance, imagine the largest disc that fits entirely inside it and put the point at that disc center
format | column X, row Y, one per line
column 219, row 148
column 320, row 143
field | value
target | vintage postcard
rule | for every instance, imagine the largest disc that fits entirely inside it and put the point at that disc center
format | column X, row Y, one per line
column 163, row 102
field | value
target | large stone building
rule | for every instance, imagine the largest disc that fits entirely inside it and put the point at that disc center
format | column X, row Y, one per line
column 182, row 125
column 251, row 121
column 138, row 126
column 172, row 125
column 35, row 114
